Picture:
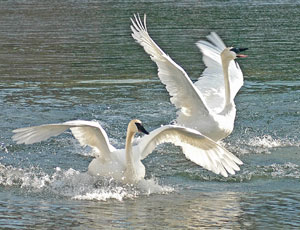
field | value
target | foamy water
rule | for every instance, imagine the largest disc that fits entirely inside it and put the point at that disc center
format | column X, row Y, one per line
column 77, row 185
column 259, row 144
column 82, row 186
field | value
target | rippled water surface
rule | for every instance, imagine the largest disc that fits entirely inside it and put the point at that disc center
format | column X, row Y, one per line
column 64, row 60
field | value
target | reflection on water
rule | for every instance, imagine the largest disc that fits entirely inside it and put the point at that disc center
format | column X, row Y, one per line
column 64, row 60
column 195, row 211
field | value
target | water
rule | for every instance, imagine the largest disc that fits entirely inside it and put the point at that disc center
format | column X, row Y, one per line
column 64, row 60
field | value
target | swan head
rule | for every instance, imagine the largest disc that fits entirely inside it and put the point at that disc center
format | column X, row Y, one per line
column 232, row 53
column 136, row 126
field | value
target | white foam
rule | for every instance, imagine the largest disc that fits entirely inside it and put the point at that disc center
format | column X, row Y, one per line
column 267, row 141
column 276, row 171
column 288, row 170
column 77, row 185
column 110, row 189
column 259, row 144
column 105, row 194
column 10, row 176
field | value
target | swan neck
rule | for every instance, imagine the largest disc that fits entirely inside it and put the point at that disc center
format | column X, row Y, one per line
column 128, row 150
column 225, row 65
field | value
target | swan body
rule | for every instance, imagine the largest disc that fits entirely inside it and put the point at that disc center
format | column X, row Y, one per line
column 125, row 164
column 207, row 105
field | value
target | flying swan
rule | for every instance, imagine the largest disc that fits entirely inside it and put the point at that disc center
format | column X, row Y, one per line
column 125, row 165
column 207, row 105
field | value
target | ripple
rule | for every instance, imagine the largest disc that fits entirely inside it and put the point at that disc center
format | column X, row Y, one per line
column 118, row 81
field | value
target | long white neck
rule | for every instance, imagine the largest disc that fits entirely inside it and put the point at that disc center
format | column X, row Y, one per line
column 225, row 65
column 130, row 170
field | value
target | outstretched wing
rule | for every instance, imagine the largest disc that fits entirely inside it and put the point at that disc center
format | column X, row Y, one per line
column 211, row 83
column 196, row 147
column 86, row 132
column 184, row 95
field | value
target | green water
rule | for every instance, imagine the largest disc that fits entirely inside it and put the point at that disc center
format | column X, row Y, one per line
column 65, row 60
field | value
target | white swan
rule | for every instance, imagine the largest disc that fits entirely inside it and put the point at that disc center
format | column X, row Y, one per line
column 207, row 105
column 125, row 164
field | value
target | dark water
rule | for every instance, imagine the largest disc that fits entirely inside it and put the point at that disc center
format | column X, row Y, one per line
column 64, row 60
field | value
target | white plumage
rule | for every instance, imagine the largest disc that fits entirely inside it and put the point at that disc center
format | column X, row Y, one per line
column 125, row 164
column 207, row 105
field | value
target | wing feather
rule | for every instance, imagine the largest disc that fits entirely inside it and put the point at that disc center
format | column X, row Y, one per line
column 36, row 134
column 86, row 132
column 184, row 95
column 196, row 147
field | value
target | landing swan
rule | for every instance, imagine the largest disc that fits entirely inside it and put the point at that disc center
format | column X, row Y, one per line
column 125, row 164
column 207, row 105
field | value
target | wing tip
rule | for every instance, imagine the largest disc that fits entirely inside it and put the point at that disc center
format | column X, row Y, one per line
column 137, row 23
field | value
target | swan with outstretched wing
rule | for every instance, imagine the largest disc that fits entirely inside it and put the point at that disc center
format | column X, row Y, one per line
column 125, row 165
column 207, row 105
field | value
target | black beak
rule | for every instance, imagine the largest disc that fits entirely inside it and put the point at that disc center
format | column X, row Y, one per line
column 238, row 50
column 141, row 128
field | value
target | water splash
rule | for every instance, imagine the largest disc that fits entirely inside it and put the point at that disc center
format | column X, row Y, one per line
column 275, row 171
column 268, row 141
column 10, row 176
column 76, row 185
column 247, row 173
column 259, row 144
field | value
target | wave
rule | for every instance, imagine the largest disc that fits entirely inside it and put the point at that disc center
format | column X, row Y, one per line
column 76, row 185
column 274, row 171
column 259, row 144
column 248, row 173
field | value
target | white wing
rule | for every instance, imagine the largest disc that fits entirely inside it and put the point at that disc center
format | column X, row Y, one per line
column 184, row 95
column 211, row 83
column 196, row 147
column 86, row 132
